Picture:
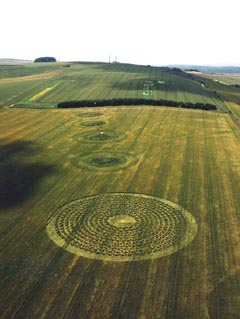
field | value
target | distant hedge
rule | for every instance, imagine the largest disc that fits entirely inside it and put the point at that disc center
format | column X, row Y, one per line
column 129, row 101
column 45, row 59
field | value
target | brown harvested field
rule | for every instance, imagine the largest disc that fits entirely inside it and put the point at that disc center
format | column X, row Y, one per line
column 188, row 157
column 34, row 77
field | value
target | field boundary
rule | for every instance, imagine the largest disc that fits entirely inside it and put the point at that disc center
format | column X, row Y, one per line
column 133, row 101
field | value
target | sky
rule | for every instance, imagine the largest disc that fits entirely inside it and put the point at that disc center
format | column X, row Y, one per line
column 156, row 32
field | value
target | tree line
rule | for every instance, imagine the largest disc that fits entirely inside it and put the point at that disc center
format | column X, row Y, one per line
column 45, row 59
column 132, row 101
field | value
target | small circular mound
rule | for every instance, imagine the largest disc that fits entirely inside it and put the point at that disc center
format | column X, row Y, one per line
column 104, row 161
column 93, row 123
column 122, row 227
column 91, row 114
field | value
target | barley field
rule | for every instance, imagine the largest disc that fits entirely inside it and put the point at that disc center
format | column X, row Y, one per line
column 53, row 160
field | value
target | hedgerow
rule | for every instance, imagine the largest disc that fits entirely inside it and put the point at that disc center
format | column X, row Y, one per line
column 133, row 101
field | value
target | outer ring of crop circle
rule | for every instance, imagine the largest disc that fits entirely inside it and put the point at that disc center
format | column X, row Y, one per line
column 84, row 161
column 88, row 137
column 189, row 235
column 90, row 114
column 94, row 124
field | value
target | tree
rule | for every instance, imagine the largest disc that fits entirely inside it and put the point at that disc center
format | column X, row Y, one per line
column 45, row 59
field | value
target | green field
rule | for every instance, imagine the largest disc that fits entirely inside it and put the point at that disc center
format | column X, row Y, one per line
column 226, row 79
column 156, row 188
column 89, row 81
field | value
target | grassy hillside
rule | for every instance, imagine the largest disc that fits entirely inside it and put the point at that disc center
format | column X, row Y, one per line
column 225, row 79
column 212, row 69
column 188, row 157
column 85, row 81
column 224, row 87
column 14, row 61
column 22, row 70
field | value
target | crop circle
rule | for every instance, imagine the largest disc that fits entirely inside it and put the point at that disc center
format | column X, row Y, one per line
column 122, row 227
column 107, row 160
column 104, row 161
column 93, row 123
column 122, row 221
column 99, row 136
column 91, row 114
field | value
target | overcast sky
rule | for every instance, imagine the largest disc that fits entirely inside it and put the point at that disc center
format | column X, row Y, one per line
column 156, row 32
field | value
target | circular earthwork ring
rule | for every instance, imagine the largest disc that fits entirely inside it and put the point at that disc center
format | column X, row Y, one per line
column 122, row 227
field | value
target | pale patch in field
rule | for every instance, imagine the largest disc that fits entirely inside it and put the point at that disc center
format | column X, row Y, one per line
column 148, row 87
column 122, row 221
column 40, row 94
column 221, row 82
column 33, row 77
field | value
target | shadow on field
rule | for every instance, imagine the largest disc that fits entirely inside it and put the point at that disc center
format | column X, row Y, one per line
column 121, row 68
column 19, row 176
column 128, row 68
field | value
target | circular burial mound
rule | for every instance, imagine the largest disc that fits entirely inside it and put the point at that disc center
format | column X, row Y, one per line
column 104, row 161
column 93, row 123
column 91, row 114
column 122, row 227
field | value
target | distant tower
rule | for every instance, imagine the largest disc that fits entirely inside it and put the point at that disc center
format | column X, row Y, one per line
column 109, row 58
column 115, row 59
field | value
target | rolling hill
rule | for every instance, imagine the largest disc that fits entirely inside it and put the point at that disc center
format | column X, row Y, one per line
column 49, row 84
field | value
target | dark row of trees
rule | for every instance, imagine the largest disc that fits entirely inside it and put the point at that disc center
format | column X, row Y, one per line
column 130, row 101
column 45, row 59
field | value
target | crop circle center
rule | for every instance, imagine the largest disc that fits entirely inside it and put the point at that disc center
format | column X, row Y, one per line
column 122, row 221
